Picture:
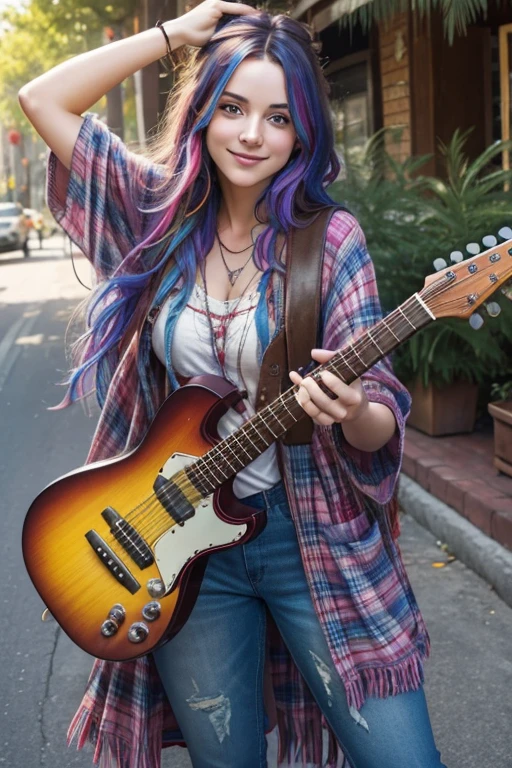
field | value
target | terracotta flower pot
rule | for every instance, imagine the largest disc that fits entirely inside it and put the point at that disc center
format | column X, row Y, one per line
column 446, row 410
column 502, row 415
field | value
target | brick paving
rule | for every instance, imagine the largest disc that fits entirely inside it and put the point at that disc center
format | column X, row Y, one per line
column 459, row 470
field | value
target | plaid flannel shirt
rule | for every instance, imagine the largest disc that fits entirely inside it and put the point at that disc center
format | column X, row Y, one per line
column 343, row 500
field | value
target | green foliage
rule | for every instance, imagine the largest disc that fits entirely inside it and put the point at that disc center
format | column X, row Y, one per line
column 409, row 220
column 40, row 34
column 457, row 14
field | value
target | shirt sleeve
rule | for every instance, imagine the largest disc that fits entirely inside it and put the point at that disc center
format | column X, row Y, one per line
column 98, row 201
column 350, row 305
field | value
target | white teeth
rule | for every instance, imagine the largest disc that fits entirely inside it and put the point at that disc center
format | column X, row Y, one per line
column 456, row 256
column 489, row 241
column 473, row 248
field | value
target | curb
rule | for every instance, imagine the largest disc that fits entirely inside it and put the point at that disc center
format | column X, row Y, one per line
column 483, row 555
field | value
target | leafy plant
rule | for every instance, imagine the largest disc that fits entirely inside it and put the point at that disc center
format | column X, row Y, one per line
column 409, row 220
column 502, row 391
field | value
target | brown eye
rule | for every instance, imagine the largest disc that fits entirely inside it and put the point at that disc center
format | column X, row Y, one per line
column 228, row 107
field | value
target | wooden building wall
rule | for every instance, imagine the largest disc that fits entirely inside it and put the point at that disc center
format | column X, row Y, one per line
column 395, row 85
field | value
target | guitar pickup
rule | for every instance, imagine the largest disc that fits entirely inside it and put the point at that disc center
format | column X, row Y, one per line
column 173, row 500
column 131, row 541
column 111, row 562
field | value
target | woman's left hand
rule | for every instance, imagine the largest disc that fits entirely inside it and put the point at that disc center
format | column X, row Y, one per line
column 350, row 403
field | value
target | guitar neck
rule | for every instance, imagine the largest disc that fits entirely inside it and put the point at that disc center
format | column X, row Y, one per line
column 235, row 452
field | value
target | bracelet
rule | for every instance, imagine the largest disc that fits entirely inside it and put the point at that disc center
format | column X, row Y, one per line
column 167, row 43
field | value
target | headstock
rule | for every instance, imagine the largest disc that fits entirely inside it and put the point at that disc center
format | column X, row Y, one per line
column 457, row 290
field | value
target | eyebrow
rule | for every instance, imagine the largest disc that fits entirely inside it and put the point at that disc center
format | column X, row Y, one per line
column 246, row 101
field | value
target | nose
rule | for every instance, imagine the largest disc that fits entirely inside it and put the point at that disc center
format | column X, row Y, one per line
column 251, row 133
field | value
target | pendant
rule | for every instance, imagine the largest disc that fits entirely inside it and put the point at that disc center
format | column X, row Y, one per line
column 234, row 274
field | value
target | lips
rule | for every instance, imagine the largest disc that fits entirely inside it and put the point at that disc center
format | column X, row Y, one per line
column 246, row 157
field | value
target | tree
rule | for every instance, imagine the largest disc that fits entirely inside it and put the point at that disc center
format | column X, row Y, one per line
column 31, row 43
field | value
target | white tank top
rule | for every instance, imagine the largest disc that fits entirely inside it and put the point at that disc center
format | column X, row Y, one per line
column 192, row 355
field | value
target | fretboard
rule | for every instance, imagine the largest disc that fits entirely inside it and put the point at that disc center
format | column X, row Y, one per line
column 235, row 452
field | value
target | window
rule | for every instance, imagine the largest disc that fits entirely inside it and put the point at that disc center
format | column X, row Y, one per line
column 505, row 51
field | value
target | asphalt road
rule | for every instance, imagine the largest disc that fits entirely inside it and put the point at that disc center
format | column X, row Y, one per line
column 42, row 675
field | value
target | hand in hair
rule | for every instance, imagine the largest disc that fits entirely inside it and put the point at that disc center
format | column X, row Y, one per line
column 198, row 25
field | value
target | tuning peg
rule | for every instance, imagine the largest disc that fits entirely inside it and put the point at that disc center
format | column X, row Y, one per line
column 473, row 248
column 489, row 241
column 456, row 256
column 505, row 233
column 493, row 308
column 439, row 264
column 476, row 321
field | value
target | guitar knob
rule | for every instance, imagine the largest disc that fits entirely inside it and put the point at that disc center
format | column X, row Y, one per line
column 138, row 632
column 109, row 627
column 152, row 610
column 117, row 613
column 156, row 587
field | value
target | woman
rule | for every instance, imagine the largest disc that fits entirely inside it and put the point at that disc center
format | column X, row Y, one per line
column 197, row 233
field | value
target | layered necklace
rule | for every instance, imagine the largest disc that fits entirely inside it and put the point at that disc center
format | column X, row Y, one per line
column 234, row 274
column 218, row 334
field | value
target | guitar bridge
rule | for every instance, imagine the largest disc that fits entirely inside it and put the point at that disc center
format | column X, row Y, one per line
column 111, row 562
column 131, row 541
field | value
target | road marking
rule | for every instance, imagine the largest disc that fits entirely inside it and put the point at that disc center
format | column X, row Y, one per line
column 9, row 350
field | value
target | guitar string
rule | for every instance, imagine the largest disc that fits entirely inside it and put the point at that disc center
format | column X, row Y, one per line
column 281, row 408
column 214, row 453
column 151, row 503
column 279, row 411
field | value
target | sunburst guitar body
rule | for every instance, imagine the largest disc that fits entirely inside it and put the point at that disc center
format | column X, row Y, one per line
column 117, row 549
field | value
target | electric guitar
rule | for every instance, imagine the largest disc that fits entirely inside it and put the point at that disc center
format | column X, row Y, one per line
column 117, row 549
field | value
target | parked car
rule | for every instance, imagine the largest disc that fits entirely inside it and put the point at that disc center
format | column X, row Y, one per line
column 35, row 221
column 14, row 228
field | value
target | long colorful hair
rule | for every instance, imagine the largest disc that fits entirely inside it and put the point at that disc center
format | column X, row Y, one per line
column 186, row 198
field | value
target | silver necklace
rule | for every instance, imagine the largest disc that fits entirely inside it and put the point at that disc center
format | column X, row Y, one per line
column 243, row 249
column 234, row 274
column 220, row 354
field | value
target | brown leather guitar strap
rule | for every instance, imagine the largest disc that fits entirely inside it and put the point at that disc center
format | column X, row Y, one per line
column 291, row 349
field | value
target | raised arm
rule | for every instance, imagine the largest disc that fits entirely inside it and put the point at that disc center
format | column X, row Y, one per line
column 55, row 101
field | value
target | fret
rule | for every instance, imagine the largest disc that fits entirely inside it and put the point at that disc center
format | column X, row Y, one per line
column 391, row 330
column 262, row 418
column 276, row 418
column 237, row 441
column 247, row 435
column 253, row 426
column 198, row 466
column 407, row 319
column 208, row 458
column 374, row 342
column 237, row 457
column 345, row 362
column 288, row 410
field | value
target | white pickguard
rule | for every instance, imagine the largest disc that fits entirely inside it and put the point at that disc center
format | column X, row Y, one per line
column 200, row 533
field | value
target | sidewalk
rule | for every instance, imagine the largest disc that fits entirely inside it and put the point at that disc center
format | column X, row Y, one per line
column 450, row 486
column 459, row 471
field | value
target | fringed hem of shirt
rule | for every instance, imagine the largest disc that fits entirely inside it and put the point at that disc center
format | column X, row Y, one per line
column 112, row 751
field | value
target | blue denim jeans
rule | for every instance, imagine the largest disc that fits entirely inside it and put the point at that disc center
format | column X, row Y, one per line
column 212, row 670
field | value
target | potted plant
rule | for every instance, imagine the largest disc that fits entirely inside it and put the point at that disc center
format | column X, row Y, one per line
column 409, row 220
column 501, row 412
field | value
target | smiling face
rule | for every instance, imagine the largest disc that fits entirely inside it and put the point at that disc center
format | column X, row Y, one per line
column 251, row 136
